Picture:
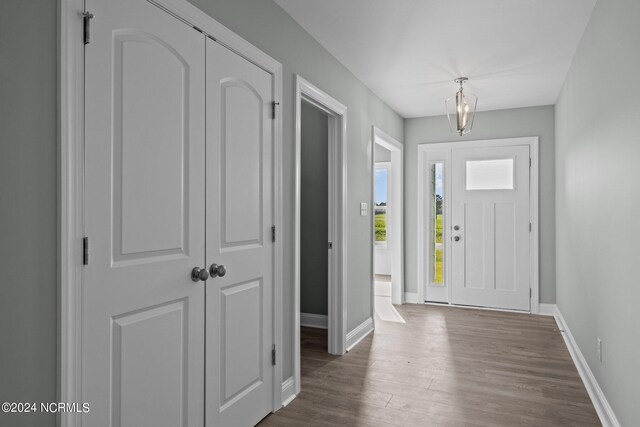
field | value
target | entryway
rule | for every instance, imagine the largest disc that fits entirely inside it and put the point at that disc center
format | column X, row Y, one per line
column 478, row 231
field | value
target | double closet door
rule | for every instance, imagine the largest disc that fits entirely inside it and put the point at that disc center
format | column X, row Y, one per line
column 178, row 175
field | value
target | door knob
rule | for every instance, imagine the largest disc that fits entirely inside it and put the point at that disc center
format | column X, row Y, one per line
column 217, row 270
column 456, row 238
column 198, row 274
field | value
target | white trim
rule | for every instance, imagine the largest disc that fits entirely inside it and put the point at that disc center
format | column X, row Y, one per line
column 337, row 317
column 395, row 212
column 70, row 204
column 605, row 412
column 547, row 309
column 71, row 200
column 412, row 298
column 444, row 154
column 359, row 333
column 311, row 320
column 475, row 307
column 288, row 391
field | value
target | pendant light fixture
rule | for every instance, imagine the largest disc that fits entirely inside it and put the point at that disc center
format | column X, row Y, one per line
column 461, row 108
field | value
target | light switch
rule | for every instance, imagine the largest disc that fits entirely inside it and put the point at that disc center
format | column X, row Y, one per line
column 363, row 209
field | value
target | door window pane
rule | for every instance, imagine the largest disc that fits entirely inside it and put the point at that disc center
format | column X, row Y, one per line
column 437, row 247
column 490, row 174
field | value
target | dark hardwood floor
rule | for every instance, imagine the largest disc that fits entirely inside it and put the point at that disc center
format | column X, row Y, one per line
column 445, row 366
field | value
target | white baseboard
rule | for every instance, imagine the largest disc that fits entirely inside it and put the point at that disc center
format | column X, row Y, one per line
column 314, row 320
column 359, row 332
column 288, row 391
column 411, row 298
column 547, row 309
column 599, row 400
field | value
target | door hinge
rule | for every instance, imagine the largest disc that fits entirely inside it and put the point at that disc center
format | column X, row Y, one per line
column 86, row 18
column 530, row 227
column 85, row 251
column 530, row 293
column 273, row 355
column 273, row 233
column 273, row 109
column 530, row 162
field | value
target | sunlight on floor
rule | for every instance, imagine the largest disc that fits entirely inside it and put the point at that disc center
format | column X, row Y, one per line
column 382, row 301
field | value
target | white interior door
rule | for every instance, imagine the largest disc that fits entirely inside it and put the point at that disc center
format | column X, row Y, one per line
column 142, row 315
column 490, row 227
column 239, row 316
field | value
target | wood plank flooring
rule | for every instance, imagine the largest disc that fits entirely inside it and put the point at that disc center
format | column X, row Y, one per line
column 445, row 366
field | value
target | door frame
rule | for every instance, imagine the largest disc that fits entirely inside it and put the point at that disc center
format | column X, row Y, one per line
column 395, row 209
column 441, row 152
column 71, row 189
column 337, row 313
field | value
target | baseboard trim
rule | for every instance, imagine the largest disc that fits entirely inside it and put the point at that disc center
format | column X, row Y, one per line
column 288, row 391
column 358, row 333
column 547, row 309
column 411, row 298
column 599, row 400
column 311, row 320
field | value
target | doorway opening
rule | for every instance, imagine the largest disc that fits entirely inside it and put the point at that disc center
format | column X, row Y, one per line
column 314, row 227
column 320, row 220
column 388, row 286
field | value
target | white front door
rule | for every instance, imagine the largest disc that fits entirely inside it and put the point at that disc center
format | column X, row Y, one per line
column 490, row 227
column 239, row 313
column 142, row 315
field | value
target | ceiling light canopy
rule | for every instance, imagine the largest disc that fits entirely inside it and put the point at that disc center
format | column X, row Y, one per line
column 461, row 108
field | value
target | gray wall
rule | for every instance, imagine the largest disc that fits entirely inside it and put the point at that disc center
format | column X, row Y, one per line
column 598, row 200
column 314, row 224
column 28, row 207
column 272, row 30
column 531, row 121
column 381, row 154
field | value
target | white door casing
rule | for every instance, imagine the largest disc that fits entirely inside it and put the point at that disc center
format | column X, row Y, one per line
column 491, row 249
column 142, row 323
column 239, row 218
column 395, row 214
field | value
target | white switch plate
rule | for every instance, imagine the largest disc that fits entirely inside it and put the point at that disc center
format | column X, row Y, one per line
column 363, row 209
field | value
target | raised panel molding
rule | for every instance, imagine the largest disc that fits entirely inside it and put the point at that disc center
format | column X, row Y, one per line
column 242, row 170
column 142, row 347
column 149, row 221
column 241, row 319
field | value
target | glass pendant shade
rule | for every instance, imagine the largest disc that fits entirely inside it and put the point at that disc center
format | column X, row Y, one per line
column 461, row 109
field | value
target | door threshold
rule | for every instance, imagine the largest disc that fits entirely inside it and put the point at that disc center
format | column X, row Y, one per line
column 476, row 307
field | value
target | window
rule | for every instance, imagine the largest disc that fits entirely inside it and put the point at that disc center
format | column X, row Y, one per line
column 490, row 174
column 381, row 200
column 437, row 223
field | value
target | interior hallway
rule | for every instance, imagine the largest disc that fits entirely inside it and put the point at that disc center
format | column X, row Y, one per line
column 445, row 366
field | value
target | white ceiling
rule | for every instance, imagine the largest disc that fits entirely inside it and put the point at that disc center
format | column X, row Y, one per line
column 515, row 52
